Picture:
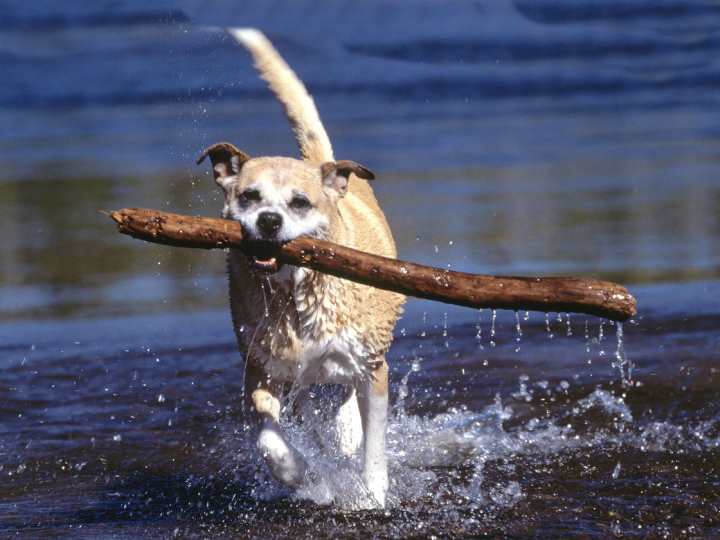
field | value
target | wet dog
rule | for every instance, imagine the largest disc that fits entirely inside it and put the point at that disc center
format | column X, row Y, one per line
column 294, row 325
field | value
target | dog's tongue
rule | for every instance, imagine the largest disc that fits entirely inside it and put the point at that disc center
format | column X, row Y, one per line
column 266, row 264
column 263, row 256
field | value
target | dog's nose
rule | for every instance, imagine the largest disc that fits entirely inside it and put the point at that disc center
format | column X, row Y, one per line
column 269, row 223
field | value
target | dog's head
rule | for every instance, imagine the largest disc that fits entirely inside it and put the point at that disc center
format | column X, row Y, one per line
column 277, row 199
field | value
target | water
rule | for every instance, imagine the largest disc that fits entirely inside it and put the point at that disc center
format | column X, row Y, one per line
column 509, row 138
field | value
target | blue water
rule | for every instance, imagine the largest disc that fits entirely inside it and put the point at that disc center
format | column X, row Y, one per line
column 532, row 137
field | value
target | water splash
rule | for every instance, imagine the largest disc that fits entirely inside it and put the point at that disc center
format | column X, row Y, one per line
column 620, row 361
column 603, row 401
column 415, row 366
column 523, row 393
column 462, row 442
column 479, row 457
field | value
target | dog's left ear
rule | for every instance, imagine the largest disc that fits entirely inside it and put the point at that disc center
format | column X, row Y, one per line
column 335, row 174
column 227, row 160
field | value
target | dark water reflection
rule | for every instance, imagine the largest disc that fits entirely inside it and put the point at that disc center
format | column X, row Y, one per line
column 516, row 138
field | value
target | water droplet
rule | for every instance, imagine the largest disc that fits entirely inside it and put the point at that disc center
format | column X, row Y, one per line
column 117, row 437
column 518, row 331
column 478, row 329
column 267, row 309
column 523, row 392
column 622, row 363
column 587, row 340
column 492, row 328
column 547, row 326
column 445, row 330
column 569, row 326
column 161, row 398
column 403, row 270
column 616, row 471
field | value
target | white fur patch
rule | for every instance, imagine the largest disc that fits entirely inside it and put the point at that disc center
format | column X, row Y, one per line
column 311, row 223
column 284, row 461
column 340, row 359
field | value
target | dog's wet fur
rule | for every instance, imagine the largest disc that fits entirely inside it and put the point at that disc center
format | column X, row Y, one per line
column 293, row 325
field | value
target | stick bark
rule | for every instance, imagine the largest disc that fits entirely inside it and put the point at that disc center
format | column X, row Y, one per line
column 558, row 294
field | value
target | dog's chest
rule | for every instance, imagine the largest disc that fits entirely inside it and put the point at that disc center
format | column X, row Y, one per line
column 311, row 355
column 304, row 331
column 340, row 358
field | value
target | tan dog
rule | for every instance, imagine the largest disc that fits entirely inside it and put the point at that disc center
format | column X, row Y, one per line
column 295, row 325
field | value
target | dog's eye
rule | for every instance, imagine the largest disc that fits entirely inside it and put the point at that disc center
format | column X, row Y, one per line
column 249, row 196
column 299, row 202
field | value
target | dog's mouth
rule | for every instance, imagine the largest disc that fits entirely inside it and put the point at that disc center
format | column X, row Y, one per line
column 269, row 266
column 263, row 256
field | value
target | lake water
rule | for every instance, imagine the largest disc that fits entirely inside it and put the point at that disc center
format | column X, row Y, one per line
column 532, row 137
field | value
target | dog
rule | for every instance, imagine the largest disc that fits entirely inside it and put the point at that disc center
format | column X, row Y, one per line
column 294, row 325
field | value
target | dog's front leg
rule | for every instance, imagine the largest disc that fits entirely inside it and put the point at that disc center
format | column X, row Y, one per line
column 373, row 402
column 348, row 425
column 262, row 396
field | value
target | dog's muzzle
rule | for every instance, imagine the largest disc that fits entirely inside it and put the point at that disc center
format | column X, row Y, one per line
column 268, row 224
column 264, row 250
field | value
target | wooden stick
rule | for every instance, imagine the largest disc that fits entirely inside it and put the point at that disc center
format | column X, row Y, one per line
column 568, row 294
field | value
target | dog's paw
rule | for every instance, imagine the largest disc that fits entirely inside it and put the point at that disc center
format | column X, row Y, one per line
column 377, row 484
column 285, row 463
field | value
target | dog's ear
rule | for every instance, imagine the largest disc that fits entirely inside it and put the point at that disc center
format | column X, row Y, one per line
column 227, row 160
column 335, row 174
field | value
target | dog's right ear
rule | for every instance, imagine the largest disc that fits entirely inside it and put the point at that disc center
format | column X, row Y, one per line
column 227, row 160
column 335, row 174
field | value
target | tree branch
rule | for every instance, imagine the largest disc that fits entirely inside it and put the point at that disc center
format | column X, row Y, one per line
column 568, row 294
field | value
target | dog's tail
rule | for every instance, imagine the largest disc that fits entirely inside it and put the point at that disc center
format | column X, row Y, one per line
column 291, row 92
